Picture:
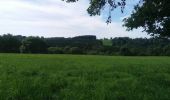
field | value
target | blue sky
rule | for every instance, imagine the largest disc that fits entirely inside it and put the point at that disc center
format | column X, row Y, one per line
column 55, row 18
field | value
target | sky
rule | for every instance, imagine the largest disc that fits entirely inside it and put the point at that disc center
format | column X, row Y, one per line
column 55, row 18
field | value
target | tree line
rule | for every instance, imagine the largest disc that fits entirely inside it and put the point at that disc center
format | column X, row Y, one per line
column 88, row 44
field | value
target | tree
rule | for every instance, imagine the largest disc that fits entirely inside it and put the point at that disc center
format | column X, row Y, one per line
column 152, row 15
column 124, row 51
column 55, row 50
column 9, row 44
column 33, row 45
column 96, row 7
column 166, row 50
column 75, row 50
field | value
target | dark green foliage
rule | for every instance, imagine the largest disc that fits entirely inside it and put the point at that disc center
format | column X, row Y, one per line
column 55, row 50
column 86, row 45
column 57, row 41
column 152, row 15
column 75, row 77
column 9, row 44
column 166, row 50
column 85, row 42
column 143, row 47
column 96, row 7
column 85, row 38
column 76, row 50
column 125, row 51
column 66, row 49
column 33, row 45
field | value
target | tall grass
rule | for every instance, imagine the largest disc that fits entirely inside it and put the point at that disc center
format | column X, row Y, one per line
column 69, row 77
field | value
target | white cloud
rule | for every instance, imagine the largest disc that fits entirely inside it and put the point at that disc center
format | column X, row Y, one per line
column 51, row 18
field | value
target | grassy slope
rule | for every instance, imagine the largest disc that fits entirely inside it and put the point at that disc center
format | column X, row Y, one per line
column 66, row 77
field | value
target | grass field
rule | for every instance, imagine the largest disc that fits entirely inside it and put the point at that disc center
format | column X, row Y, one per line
column 68, row 77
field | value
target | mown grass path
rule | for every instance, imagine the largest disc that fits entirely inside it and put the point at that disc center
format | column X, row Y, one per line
column 80, row 77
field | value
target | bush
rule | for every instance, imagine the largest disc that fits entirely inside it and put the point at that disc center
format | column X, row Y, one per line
column 166, row 50
column 66, row 50
column 75, row 50
column 55, row 50
column 92, row 52
column 124, row 51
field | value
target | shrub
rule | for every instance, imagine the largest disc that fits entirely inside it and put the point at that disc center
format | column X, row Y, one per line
column 92, row 52
column 66, row 50
column 75, row 50
column 55, row 50
column 124, row 51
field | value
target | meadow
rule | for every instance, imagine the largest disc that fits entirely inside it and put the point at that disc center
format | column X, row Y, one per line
column 82, row 77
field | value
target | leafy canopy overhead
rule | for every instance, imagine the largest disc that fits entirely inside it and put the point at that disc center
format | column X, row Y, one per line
column 96, row 6
column 152, row 15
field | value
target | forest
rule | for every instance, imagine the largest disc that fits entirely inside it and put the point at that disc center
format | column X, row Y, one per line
column 87, row 45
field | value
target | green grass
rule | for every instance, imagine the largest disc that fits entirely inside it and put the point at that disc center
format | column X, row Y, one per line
column 68, row 77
